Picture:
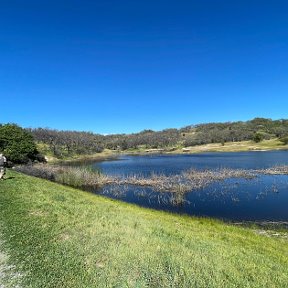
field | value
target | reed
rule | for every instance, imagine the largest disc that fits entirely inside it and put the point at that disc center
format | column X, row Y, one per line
column 83, row 177
column 78, row 177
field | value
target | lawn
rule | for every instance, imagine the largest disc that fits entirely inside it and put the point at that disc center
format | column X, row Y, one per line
column 56, row 236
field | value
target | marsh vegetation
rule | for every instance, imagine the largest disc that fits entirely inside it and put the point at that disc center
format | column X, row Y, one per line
column 83, row 177
column 234, row 186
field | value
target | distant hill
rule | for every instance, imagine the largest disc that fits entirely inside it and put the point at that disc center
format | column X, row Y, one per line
column 67, row 143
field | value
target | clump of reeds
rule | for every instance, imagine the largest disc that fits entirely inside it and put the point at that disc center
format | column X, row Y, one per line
column 40, row 170
column 179, row 183
column 72, row 176
column 186, row 181
column 276, row 170
column 177, row 199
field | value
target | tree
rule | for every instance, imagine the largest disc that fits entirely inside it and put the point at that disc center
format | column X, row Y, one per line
column 284, row 140
column 17, row 144
column 258, row 137
column 68, row 143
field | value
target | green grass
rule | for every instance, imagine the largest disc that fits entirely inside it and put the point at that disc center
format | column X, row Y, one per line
column 62, row 237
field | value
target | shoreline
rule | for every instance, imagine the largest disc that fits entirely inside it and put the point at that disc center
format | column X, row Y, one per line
column 244, row 146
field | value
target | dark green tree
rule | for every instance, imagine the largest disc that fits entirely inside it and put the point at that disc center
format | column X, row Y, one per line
column 284, row 140
column 17, row 144
column 258, row 137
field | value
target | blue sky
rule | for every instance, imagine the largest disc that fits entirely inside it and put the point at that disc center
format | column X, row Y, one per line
column 124, row 66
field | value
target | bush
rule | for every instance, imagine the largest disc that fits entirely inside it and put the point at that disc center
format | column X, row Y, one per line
column 284, row 140
column 17, row 144
column 258, row 137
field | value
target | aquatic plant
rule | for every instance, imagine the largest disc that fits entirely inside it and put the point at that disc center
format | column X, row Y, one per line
column 179, row 183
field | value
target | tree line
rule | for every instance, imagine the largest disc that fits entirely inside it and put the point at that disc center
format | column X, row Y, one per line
column 257, row 130
column 62, row 143
column 20, row 144
column 67, row 143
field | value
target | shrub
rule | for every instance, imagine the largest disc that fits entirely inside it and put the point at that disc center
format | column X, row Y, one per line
column 258, row 137
column 17, row 144
column 284, row 140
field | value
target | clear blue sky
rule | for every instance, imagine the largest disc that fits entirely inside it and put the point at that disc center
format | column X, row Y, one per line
column 123, row 66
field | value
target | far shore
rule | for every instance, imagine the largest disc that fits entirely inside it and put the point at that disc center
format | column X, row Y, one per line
column 243, row 146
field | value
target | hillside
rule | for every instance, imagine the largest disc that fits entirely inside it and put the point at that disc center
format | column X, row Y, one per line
column 62, row 237
column 256, row 134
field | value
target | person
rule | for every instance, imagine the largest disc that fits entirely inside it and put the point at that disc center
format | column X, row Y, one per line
column 3, row 161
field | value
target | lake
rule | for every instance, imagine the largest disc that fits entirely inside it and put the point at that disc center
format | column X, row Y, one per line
column 264, row 198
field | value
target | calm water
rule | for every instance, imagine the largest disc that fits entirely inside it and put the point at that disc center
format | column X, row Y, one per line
column 263, row 198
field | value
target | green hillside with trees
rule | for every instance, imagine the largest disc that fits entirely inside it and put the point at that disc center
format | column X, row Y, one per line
column 22, row 145
column 68, row 143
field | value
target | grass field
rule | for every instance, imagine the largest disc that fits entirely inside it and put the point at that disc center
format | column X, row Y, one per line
column 57, row 236
column 272, row 144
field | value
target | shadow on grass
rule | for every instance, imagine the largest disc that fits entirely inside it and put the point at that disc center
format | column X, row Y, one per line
column 9, row 178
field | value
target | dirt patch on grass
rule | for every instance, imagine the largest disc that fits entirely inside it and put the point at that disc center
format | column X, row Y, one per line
column 9, row 277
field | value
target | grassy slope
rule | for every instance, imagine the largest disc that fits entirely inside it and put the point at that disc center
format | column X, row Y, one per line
column 104, row 155
column 272, row 144
column 62, row 237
